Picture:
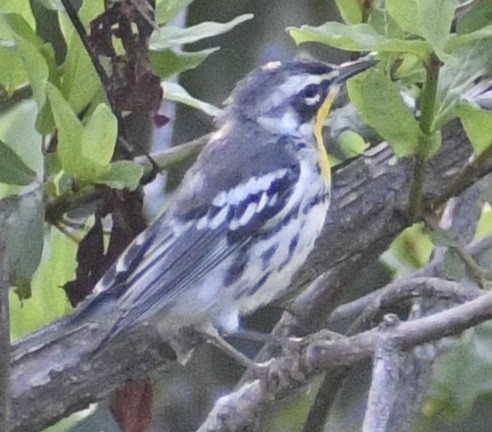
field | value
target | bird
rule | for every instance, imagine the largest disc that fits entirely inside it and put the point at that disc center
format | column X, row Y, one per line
column 246, row 215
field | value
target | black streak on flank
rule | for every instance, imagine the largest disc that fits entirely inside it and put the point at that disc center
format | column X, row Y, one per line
column 293, row 245
column 236, row 270
column 259, row 284
column 266, row 256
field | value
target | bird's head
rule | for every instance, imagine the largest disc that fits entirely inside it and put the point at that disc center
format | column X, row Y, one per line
column 286, row 97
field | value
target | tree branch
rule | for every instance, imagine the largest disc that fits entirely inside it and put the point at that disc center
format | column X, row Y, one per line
column 460, row 217
column 399, row 382
column 405, row 289
column 290, row 371
column 53, row 381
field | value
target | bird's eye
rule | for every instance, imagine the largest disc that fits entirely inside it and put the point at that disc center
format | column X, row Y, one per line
column 309, row 91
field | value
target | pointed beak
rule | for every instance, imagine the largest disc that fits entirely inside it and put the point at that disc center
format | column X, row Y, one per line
column 349, row 69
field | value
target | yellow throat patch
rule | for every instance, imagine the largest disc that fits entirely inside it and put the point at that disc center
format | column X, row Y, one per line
column 318, row 128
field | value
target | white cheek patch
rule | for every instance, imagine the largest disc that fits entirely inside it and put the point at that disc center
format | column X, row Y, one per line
column 289, row 121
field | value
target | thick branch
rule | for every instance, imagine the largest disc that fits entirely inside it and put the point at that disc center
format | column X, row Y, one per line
column 61, row 378
column 400, row 379
column 323, row 354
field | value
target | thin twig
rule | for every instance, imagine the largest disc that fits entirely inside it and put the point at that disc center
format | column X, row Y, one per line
column 405, row 289
column 475, row 269
column 426, row 120
column 80, row 29
column 166, row 159
column 464, row 177
column 7, row 100
column 350, row 311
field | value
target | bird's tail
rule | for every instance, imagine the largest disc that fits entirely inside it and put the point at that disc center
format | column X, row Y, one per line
column 42, row 337
column 98, row 315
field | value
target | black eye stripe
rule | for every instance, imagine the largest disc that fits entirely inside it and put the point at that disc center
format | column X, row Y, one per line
column 309, row 91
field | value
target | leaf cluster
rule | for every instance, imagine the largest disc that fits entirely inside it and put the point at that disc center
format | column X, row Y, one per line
column 422, row 45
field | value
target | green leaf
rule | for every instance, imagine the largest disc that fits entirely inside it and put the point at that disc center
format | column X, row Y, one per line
column 350, row 10
column 478, row 126
column 169, row 62
column 358, row 37
column 434, row 20
column 70, row 131
column 89, row 10
column 430, row 19
column 410, row 70
column 12, row 73
column 409, row 251
column 35, row 58
column 463, row 373
column 12, row 168
column 479, row 15
column 123, row 174
column 20, row 7
column 48, row 300
column 36, row 68
column 459, row 72
column 441, row 238
column 170, row 37
column 484, row 226
column 79, row 79
column 384, row 24
column 456, row 41
column 17, row 130
column 453, row 266
column 405, row 14
column 22, row 224
column 351, row 143
column 168, row 9
column 175, row 92
column 99, row 137
column 29, row 52
column 380, row 104
column 85, row 152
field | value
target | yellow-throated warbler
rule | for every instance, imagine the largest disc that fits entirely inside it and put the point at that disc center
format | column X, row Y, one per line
column 246, row 214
